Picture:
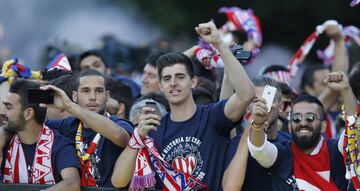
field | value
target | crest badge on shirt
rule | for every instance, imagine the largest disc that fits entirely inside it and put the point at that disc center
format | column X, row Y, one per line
column 183, row 153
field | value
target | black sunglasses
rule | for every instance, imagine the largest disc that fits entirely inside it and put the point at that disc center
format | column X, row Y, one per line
column 309, row 117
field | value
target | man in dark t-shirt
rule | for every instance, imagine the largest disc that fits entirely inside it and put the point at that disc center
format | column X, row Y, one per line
column 191, row 138
column 234, row 177
column 308, row 162
column 99, row 138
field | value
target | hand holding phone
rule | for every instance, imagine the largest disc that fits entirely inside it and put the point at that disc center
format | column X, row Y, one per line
column 269, row 95
column 37, row 96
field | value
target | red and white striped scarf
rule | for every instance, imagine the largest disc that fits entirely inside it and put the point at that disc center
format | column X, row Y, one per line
column 173, row 179
column 350, row 32
column 243, row 20
column 239, row 20
column 15, row 170
column 312, row 172
column 280, row 76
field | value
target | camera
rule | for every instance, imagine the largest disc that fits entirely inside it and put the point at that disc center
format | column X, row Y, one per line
column 36, row 96
column 239, row 53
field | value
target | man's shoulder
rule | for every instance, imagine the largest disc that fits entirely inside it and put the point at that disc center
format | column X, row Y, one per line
column 69, row 121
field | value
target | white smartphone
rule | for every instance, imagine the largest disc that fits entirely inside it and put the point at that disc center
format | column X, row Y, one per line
column 269, row 95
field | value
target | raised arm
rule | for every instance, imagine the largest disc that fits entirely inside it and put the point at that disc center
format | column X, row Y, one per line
column 338, row 82
column 234, row 174
column 260, row 149
column 93, row 120
column 341, row 64
column 244, row 89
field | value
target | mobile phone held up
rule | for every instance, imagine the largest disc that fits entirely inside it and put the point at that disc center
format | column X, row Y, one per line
column 152, row 105
column 240, row 54
column 269, row 95
column 37, row 96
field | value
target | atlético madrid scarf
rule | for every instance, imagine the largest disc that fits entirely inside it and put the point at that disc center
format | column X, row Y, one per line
column 313, row 171
column 350, row 32
column 173, row 179
column 238, row 20
column 16, row 171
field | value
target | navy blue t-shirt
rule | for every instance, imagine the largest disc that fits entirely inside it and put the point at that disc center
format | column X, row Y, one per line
column 63, row 155
column 197, row 145
column 106, row 152
column 283, row 172
column 255, row 173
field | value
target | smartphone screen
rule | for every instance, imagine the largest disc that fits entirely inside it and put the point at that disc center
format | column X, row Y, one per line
column 40, row 96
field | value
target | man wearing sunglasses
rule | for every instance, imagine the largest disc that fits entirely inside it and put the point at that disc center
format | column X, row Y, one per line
column 309, row 162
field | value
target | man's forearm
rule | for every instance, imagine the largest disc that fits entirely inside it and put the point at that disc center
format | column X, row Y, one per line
column 341, row 62
column 266, row 154
column 234, row 175
column 101, row 124
column 71, row 180
column 226, row 88
column 257, row 136
column 64, row 185
column 124, row 168
column 350, row 102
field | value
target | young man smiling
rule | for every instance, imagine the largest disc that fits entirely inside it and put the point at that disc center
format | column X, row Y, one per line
column 191, row 139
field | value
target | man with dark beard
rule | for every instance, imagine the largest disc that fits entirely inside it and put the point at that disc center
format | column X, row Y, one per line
column 36, row 154
column 311, row 161
column 99, row 138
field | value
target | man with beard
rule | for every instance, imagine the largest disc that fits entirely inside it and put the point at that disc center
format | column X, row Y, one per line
column 99, row 138
column 35, row 149
column 235, row 166
column 309, row 160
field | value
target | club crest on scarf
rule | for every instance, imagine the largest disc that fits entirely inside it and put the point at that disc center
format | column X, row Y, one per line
column 183, row 153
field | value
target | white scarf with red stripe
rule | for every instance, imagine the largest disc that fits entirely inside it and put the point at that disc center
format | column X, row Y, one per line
column 173, row 179
column 15, row 170
column 350, row 32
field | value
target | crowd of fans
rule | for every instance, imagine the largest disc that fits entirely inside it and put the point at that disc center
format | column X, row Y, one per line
column 184, row 129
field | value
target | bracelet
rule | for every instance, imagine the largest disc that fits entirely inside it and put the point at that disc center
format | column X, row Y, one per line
column 255, row 126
